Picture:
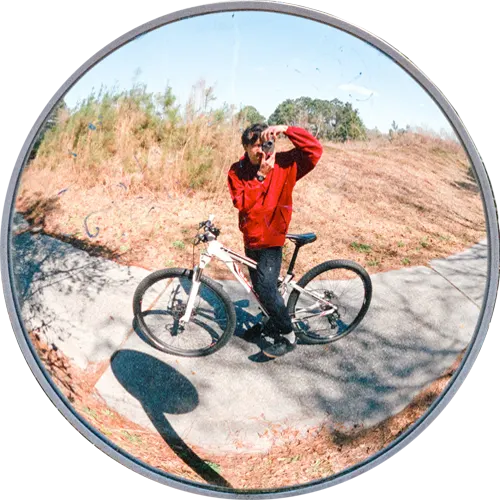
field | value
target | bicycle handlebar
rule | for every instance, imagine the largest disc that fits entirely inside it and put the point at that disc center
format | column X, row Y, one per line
column 210, row 231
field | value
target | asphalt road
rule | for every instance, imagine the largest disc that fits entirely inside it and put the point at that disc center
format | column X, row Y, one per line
column 419, row 320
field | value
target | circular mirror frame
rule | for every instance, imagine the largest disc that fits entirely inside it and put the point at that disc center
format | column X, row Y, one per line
column 318, row 489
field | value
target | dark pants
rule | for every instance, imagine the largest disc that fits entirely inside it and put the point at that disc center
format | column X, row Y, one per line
column 265, row 284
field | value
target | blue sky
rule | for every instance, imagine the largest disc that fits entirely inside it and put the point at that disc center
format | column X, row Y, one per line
column 261, row 59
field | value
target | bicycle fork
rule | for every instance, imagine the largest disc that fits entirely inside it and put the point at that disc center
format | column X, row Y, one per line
column 197, row 272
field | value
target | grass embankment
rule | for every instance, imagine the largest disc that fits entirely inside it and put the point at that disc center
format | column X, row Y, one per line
column 145, row 178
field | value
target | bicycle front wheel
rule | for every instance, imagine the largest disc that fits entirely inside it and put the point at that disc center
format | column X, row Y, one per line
column 335, row 299
column 160, row 302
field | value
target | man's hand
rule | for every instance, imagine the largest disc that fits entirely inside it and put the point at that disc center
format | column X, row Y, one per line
column 266, row 164
column 273, row 132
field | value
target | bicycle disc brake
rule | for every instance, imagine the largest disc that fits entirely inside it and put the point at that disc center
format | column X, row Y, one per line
column 178, row 311
column 334, row 318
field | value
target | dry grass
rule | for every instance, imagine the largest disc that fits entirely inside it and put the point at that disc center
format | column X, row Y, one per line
column 386, row 204
column 142, row 142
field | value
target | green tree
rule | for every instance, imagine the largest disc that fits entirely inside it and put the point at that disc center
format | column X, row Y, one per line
column 332, row 120
column 395, row 131
column 166, row 103
column 287, row 113
column 249, row 115
column 348, row 124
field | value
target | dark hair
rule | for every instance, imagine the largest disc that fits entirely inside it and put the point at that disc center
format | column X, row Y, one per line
column 252, row 133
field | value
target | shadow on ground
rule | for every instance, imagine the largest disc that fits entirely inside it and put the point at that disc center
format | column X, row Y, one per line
column 162, row 390
column 64, row 293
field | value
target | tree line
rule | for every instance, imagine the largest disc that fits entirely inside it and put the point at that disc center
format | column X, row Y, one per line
column 332, row 120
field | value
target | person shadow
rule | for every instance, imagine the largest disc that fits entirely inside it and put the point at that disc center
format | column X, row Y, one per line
column 163, row 390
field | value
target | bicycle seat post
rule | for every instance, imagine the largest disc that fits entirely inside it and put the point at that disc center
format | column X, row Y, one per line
column 294, row 258
column 299, row 240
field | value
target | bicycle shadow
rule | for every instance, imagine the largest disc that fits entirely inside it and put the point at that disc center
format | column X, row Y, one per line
column 246, row 322
column 248, row 318
column 149, row 380
column 248, row 326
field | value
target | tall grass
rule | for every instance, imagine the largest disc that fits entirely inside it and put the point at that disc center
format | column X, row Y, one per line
column 144, row 141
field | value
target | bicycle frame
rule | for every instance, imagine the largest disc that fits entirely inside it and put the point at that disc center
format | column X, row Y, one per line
column 231, row 260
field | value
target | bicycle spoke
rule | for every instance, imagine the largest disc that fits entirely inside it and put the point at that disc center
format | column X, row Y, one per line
column 330, row 303
column 207, row 323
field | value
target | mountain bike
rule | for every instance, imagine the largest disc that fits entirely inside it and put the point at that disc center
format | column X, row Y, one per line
column 186, row 313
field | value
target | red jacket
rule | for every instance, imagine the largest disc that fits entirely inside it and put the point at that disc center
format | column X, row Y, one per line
column 265, row 208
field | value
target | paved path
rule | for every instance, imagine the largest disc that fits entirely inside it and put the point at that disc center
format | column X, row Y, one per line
column 419, row 321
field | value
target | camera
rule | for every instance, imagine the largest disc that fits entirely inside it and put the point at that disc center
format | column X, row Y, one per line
column 268, row 147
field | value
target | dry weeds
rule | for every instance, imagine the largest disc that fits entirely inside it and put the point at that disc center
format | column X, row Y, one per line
column 385, row 204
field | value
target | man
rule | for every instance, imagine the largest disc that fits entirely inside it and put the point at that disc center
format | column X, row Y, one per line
column 261, row 188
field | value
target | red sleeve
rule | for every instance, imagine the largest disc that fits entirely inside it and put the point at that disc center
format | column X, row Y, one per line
column 308, row 150
column 236, row 189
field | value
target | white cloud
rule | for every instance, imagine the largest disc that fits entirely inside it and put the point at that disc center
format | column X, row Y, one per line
column 357, row 89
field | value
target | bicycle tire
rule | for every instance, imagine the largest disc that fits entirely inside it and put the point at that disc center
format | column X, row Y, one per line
column 164, row 274
column 313, row 335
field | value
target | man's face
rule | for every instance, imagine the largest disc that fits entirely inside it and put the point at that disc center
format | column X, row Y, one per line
column 255, row 152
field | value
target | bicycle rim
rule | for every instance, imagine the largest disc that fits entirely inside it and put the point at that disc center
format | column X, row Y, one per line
column 163, row 304
column 336, row 299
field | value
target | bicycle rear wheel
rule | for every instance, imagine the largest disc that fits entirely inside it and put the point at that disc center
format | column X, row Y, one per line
column 160, row 301
column 336, row 298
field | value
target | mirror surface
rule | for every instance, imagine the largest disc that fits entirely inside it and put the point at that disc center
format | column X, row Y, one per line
column 137, row 154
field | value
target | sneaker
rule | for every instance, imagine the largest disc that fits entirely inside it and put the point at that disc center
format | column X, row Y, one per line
column 279, row 348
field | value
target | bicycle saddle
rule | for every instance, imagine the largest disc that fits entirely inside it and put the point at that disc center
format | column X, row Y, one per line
column 302, row 239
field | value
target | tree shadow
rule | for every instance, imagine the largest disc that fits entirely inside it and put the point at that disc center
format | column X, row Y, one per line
column 60, row 290
column 163, row 390
column 40, row 260
column 37, row 210
column 416, row 327
column 34, row 218
column 375, row 372
column 385, row 429
column 467, row 185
